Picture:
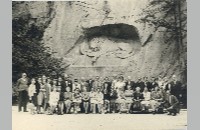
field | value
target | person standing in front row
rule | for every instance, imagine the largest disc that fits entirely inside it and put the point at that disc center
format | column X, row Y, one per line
column 32, row 92
column 22, row 86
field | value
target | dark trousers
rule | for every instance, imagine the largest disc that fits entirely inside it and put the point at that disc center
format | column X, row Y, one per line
column 23, row 99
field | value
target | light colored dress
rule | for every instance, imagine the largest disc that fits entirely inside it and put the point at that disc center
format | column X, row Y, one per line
column 31, row 90
column 99, row 97
column 93, row 97
column 53, row 98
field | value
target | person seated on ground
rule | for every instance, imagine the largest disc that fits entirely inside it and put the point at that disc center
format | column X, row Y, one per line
column 173, row 104
column 156, row 99
column 113, row 97
column 99, row 100
column 76, row 85
column 53, row 100
column 146, row 101
column 77, row 100
column 138, row 97
column 93, row 100
column 68, row 99
column 85, row 100
column 106, row 94
column 128, row 97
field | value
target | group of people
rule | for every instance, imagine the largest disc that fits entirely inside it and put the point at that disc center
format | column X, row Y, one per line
column 116, row 95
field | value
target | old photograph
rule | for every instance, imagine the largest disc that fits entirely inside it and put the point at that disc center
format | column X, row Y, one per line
column 99, row 65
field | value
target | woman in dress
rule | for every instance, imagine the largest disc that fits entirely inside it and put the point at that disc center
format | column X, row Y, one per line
column 53, row 100
column 41, row 97
column 32, row 92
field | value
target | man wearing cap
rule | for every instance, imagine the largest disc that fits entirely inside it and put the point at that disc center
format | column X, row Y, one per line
column 22, row 87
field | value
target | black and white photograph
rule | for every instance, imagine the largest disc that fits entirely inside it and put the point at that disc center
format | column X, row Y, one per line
column 99, row 65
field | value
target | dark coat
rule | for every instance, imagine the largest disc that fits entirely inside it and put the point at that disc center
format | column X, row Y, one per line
column 176, row 88
column 131, row 83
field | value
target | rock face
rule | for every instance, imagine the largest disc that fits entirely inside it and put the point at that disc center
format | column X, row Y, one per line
column 105, row 38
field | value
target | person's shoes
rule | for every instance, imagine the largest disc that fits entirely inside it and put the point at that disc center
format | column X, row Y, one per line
column 153, row 112
column 169, row 113
column 174, row 114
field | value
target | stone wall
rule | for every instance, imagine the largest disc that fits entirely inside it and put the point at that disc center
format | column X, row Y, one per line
column 66, row 24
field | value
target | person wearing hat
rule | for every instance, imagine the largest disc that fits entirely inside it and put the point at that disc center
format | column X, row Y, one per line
column 22, row 87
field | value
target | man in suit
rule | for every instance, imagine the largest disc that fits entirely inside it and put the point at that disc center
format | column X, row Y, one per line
column 147, row 84
column 173, row 103
column 106, row 89
column 140, row 84
column 22, row 87
column 153, row 84
column 175, row 87
column 66, row 83
column 90, row 82
column 131, row 83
